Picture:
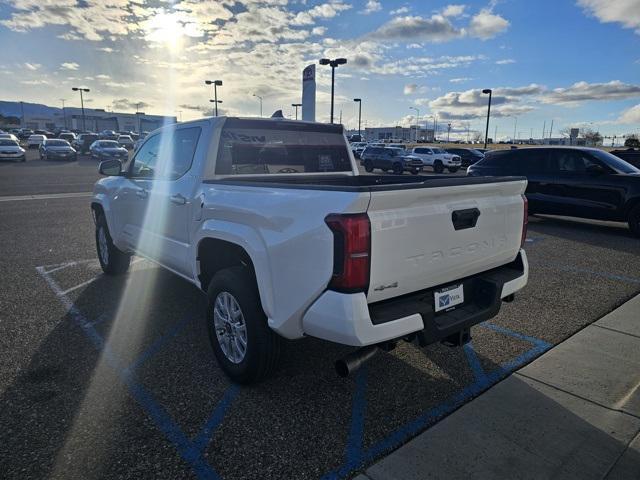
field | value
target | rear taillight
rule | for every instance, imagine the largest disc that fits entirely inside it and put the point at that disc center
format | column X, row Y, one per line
column 351, row 252
column 525, row 221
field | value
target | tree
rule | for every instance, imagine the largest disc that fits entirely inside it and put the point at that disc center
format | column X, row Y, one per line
column 632, row 141
column 477, row 137
column 592, row 137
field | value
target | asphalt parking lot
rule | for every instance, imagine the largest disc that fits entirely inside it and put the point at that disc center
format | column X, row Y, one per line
column 105, row 377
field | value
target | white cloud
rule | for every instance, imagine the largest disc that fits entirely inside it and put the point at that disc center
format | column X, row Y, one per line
column 453, row 10
column 631, row 115
column 69, row 66
column 583, row 91
column 32, row 66
column 505, row 61
column 399, row 11
column 625, row 12
column 486, row 24
column 324, row 10
column 434, row 29
column 460, row 79
column 371, row 7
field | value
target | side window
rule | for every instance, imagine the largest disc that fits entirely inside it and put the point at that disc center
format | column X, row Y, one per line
column 185, row 141
column 144, row 163
column 570, row 161
column 532, row 161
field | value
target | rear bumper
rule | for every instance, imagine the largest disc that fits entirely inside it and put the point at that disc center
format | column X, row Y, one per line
column 349, row 320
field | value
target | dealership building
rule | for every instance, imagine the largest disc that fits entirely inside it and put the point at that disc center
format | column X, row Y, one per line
column 41, row 117
column 399, row 133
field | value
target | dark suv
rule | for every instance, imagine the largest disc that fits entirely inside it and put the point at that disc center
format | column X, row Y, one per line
column 395, row 160
column 577, row 182
column 469, row 156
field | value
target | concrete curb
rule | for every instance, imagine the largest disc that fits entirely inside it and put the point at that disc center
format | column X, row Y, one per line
column 572, row 413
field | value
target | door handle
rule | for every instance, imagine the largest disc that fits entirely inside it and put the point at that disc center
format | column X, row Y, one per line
column 178, row 199
column 141, row 193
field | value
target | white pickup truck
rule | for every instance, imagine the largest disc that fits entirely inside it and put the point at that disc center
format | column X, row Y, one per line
column 438, row 159
column 271, row 219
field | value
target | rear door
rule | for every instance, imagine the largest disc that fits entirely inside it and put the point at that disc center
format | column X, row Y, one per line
column 424, row 237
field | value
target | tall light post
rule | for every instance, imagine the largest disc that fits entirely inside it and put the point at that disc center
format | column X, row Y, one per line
column 515, row 126
column 486, row 133
column 259, row 98
column 64, row 114
column 216, row 101
column 359, row 100
column 138, row 115
column 333, row 64
column 448, row 131
column 417, row 121
column 296, row 105
column 80, row 89
column 216, row 84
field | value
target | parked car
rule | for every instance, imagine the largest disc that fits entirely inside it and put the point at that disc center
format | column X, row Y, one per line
column 8, row 136
column 397, row 145
column 68, row 136
column 357, row 148
column 304, row 245
column 126, row 141
column 629, row 155
column 108, row 149
column 355, row 138
column 11, row 150
column 56, row 149
column 108, row 135
column 83, row 142
column 438, row 159
column 35, row 140
column 25, row 133
column 389, row 159
column 571, row 181
column 469, row 156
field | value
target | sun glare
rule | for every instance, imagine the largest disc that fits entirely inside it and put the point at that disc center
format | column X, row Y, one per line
column 168, row 29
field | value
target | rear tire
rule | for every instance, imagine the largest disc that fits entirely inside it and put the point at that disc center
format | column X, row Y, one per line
column 228, row 326
column 112, row 260
column 398, row 169
column 415, row 171
column 438, row 167
column 634, row 220
column 368, row 166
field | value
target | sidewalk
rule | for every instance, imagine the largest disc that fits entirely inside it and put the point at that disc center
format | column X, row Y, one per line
column 572, row 413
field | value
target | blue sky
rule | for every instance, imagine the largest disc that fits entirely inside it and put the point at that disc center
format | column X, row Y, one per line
column 575, row 62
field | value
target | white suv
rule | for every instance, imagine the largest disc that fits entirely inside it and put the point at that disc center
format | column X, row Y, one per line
column 438, row 159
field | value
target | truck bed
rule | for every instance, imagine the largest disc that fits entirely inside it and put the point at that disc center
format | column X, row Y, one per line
column 359, row 183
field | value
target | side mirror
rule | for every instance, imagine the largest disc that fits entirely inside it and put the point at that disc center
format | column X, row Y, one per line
column 111, row 168
column 596, row 169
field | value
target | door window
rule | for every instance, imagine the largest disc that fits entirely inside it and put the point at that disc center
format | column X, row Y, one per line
column 570, row 161
column 168, row 155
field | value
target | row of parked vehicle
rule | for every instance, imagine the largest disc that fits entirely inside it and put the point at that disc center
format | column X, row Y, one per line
column 396, row 158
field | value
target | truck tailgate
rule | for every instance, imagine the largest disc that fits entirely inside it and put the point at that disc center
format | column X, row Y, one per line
column 424, row 237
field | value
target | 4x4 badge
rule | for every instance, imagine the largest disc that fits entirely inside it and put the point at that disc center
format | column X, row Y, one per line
column 384, row 287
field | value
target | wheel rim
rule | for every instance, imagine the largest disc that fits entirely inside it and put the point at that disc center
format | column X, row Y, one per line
column 102, row 246
column 231, row 329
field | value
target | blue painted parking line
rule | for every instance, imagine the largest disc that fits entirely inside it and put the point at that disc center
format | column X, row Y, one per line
column 191, row 452
column 356, row 457
column 532, row 240
column 202, row 440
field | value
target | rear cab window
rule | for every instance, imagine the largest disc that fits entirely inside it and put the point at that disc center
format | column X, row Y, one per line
column 281, row 147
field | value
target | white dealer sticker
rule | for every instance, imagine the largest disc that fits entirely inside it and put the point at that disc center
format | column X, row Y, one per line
column 448, row 297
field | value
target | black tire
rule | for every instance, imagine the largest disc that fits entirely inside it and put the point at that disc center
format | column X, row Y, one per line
column 438, row 167
column 452, row 169
column 368, row 165
column 398, row 169
column 262, row 344
column 115, row 262
column 634, row 220
column 415, row 171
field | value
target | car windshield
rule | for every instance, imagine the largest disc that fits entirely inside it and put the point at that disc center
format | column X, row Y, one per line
column 8, row 143
column 109, row 144
column 395, row 151
column 614, row 162
column 57, row 143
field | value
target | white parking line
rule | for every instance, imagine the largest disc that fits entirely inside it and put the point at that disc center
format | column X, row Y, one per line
column 46, row 196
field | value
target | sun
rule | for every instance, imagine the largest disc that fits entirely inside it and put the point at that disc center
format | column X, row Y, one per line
column 168, row 29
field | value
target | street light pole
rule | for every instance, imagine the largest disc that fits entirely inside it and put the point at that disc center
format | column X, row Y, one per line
column 417, row 121
column 216, row 84
column 64, row 114
column 79, row 89
column 359, row 100
column 296, row 105
column 448, row 131
column 333, row 64
column 486, row 133
column 260, row 98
